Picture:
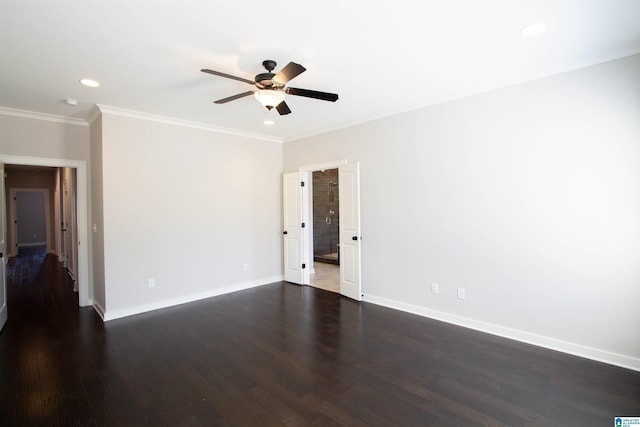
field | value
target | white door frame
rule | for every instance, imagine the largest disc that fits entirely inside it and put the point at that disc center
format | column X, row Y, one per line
column 84, row 295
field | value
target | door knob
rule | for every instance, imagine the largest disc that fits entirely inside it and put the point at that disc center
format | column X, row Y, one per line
column 285, row 232
column 354, row 238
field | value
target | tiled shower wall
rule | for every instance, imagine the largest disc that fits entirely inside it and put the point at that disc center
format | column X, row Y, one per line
column 325, row 199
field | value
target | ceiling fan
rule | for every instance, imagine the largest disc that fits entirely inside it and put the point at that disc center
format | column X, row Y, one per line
column 271, row 87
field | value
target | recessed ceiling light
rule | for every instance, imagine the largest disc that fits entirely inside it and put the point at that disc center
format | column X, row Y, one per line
column 533, row 29
column 71, row 101
column 269, row 122
column 89, row 82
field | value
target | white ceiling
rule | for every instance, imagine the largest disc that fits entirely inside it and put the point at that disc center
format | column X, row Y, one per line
column 381, row 57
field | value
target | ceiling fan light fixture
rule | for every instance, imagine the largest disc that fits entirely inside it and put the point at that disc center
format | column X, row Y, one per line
column 269, row 98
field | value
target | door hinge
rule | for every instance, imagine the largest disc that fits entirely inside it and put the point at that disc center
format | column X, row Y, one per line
column 301, row 183
column 304, row 266
column 303, row 226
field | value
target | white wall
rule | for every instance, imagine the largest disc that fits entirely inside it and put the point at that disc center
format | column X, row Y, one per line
column 30, row 137
column 528, row 197
column 97, row 250
column 187, row 208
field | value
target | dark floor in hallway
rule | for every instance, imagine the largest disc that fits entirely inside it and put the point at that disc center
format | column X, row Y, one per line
column 23, row 269
column 282, row 355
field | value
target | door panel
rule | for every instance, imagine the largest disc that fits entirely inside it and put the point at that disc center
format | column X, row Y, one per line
column 293, row 262
column 349, row 190
column 295, row 209
column 3, row 252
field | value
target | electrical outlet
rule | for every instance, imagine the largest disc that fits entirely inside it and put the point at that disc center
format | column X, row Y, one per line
column 151, row 283
column 245, row 267
column 461, row 293
column 435, row 288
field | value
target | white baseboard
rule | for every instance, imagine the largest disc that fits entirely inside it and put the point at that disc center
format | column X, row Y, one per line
column 130, row 311
column 514, row 334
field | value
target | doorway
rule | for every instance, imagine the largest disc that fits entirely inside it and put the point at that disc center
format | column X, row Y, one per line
column 325, row 209
column 35, row 221
column 298, row 250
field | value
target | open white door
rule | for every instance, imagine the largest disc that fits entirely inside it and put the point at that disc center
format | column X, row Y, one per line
column 349, row 190
column 3, row 252
column 295, row 198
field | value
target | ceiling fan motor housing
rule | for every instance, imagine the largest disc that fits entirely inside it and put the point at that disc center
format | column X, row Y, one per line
column 264, row 80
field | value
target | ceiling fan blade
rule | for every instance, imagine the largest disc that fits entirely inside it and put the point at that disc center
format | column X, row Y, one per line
column 290, row 71
column 234, row 97
column 283, row 108
column 325, row 96
column 229, row 76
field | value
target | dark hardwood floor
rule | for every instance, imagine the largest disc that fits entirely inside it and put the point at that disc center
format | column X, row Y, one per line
column 282, row 355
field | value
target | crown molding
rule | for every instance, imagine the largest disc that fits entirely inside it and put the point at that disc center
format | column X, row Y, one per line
column 100, row 109
column 12, row 112
column 105, row 109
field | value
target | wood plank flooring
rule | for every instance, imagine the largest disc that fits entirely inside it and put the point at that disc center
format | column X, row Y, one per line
column 283, row 355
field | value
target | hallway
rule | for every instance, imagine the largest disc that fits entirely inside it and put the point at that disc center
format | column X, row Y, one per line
column 23, row 269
